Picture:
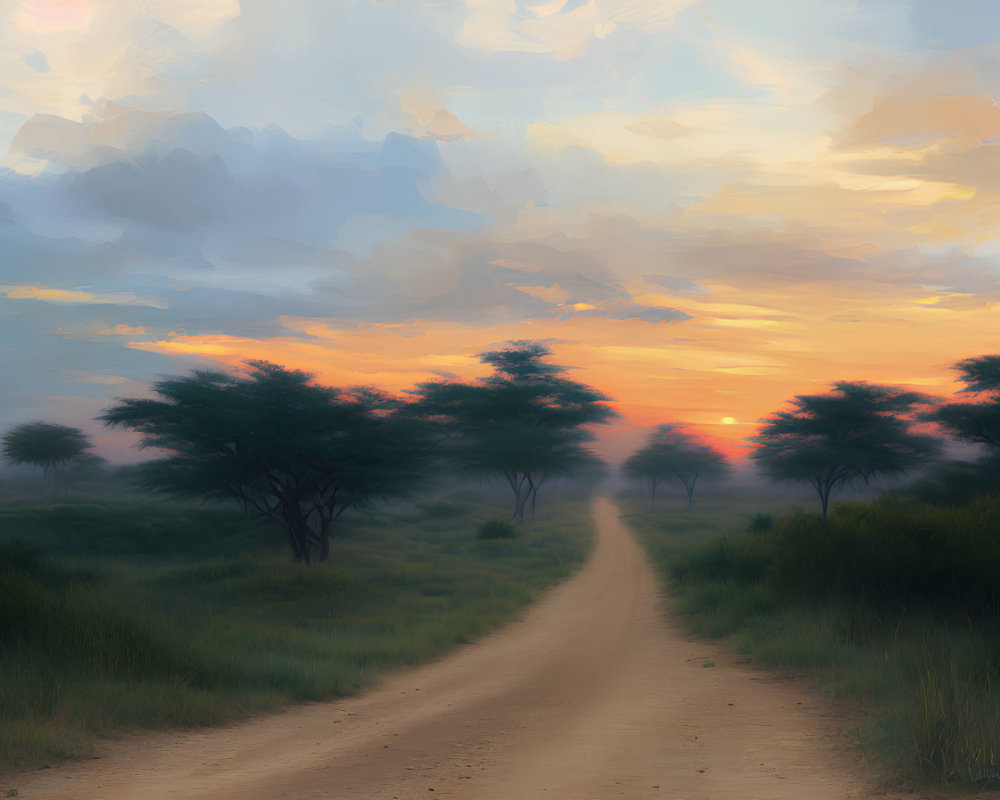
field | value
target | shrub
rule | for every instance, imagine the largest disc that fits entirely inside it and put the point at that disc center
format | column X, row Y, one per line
column 740, row 560
column 497, row 529
column 893, row 553
column 760, row 524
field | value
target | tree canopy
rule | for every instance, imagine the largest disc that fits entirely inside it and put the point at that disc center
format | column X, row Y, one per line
column 526, row 422
column 278, row 444
column 45, row 445
column 977, row 422
column 672, row 452
column 857, row 431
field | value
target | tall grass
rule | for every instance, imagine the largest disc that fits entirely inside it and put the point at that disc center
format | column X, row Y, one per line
column 893, row 606
column 115, row 618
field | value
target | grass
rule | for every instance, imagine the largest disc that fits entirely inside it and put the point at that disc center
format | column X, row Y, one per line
column 116, row 617
column 892, row 607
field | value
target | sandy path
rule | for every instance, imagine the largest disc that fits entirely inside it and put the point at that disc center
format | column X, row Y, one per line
column 591, row 695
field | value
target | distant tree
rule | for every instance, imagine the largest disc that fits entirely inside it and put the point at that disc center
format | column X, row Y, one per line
column 46, row 445
column 278, row 444
column 89, row 465
column 525, row 422
column 857, row 431
column 977, row 422
column 672, row 452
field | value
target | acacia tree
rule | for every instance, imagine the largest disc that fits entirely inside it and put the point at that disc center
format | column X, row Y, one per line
column 525, row 422
column 46, row 445
column 977, row 422
column 672, row 452
column 857, row 431
column 281, row 446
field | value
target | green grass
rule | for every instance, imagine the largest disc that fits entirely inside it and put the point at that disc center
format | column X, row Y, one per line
column 892, row 607
column 118, row 617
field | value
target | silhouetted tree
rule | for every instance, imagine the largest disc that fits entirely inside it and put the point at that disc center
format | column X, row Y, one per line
column 977, row 422
column 526, row 421
column 46, row 445
column 857, row 431
column 282, row 446
column 672, row 452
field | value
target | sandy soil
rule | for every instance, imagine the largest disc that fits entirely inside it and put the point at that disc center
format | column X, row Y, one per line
column 593, row 694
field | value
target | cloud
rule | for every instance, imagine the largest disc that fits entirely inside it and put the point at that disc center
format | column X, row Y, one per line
column 75, row 296
column 957, row 24
column 116, row 48
column 630, row 311
column 915, row 117
column 562, row 29
column 37, row 61
column 183, row 172
column 659, row 126
column 122, row 329
column 675, row 283
column 432, row 118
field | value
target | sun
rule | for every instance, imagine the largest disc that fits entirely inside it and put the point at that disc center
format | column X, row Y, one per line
column 729, row 420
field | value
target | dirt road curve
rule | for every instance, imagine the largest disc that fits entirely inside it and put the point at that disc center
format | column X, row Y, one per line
column 591, row 695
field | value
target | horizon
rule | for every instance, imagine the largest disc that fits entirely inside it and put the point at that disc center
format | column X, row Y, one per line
column 703, row 209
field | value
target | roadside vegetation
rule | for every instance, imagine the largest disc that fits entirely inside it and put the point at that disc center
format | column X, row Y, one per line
column 892, row 605
column 177, row 592
column 119, row 617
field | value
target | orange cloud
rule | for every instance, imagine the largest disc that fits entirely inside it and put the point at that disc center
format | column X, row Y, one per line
column 915, row 117
column 75, row 296
column 122, row 330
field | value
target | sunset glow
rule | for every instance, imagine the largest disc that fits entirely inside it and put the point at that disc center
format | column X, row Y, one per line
column 49, row 16
column 704, row 207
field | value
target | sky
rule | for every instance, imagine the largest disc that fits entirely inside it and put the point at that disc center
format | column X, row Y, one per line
column 704, row 207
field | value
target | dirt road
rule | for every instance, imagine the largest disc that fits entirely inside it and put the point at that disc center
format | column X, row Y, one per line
column 591, row 695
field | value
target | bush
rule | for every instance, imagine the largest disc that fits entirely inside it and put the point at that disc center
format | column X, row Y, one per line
column 893, row 553
column 497, row 529
column 741, row 560
column 760, row 524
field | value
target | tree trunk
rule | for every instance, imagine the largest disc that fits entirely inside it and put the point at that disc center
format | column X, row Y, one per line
column 689, row 488
column 520, row 501
column 534, row 495
column 298, row 536
column 824, row 499
column 517, row 484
